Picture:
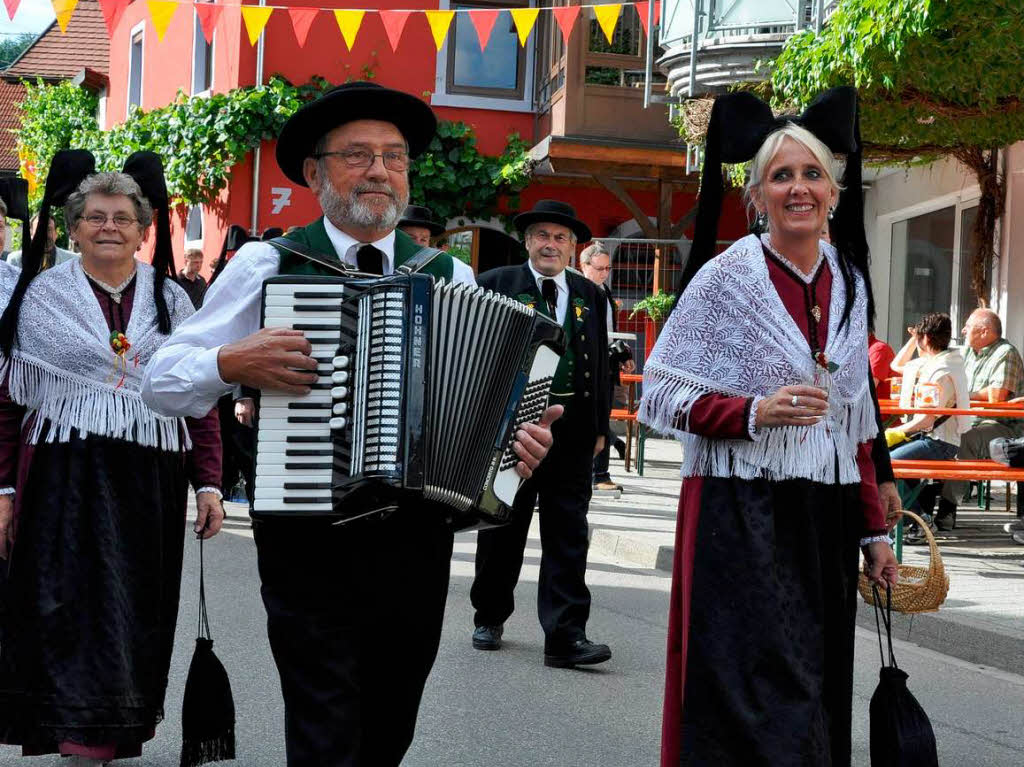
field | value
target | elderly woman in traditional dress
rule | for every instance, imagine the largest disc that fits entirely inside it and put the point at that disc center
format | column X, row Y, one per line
column 94, row 480
column 762, row 372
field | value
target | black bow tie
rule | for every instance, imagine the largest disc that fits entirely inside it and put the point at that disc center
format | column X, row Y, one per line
column 370, row 260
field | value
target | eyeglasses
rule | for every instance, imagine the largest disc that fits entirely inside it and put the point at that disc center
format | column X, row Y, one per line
column 541, row 236
column 98, row 220
column 393, row 159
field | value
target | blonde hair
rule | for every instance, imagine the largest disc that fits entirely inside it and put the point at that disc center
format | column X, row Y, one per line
column 193, row 252
column 771, row 147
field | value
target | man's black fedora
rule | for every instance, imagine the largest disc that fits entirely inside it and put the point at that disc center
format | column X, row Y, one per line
column 553, row 212
column 352, row 101
column 417, row 215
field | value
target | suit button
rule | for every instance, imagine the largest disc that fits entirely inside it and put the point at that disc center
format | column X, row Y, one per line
column 583, row 338
column 586, row 356
column 586, row 394
column 586, row 375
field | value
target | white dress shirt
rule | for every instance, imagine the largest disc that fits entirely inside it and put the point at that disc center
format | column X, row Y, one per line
column 562, row 296
column 182, row 378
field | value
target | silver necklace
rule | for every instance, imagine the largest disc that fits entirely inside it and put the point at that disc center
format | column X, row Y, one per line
column 112, row 291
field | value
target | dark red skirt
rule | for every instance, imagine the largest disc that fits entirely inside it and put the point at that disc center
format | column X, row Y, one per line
column 92, row 596
column 761, row 624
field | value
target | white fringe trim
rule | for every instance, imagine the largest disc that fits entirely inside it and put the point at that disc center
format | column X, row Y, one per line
column 67, row 401
column 785, row 452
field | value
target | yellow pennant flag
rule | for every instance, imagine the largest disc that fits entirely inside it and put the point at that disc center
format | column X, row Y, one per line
column 255, row 18
column 63, row 10
column 348, row 23
column 607, row 17
column 439, row 22
column 524, row 19
column 160, row 11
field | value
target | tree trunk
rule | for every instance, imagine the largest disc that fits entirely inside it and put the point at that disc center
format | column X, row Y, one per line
column 985, row 165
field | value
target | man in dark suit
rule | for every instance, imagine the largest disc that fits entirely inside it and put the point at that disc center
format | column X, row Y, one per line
column 562, row 485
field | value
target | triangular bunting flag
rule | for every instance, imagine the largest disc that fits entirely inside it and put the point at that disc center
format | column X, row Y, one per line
column 524, row 19
column 209, row 15
column 160, row 11
column 64, row 9
column 12, row 8
column 607, row 16
column 112, row 11
column 348, row 23
column 566, row 17
column 483, row 21
column 394, row 23
column 642, row 8
column 302, row 20
column 439, row 22
column 255, row 18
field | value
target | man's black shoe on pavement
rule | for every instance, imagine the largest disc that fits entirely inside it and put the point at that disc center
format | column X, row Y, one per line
column 582, row 652
column 487, row 637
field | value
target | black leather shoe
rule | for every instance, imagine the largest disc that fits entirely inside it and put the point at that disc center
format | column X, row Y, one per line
column 620, row 448
column 487, row 637
column 582, row 652
column 945, row 518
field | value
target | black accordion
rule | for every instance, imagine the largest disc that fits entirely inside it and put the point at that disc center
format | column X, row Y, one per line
column 422, row 385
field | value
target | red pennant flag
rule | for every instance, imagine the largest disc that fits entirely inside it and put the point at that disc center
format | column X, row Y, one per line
column 209, row 15
column 484, row 23
column 394, row 23
column 302, row 20
column 566, row 18
column 641, row 9
column 112, row 10
column 12, row 7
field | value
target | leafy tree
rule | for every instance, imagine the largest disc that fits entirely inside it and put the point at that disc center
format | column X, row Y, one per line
column 12, row 46
column 936, row 77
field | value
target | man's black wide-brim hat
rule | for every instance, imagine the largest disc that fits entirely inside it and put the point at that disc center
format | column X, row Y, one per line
column 553, row 212
column 352, row 101
column 417, row 215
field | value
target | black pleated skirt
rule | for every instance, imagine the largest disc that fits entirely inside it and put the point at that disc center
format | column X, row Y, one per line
column 92, row 594
column 769, row 661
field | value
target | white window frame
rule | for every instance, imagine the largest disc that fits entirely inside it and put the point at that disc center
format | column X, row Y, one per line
column 881, row 266
column 139, row 28
column 441, row 97
column 202, row 223
column 197, row 29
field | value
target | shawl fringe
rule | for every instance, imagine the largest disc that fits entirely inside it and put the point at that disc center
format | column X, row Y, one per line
column 67, row 401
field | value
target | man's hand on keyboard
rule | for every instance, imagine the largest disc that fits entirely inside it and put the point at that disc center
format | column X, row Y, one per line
column 273, row 358
column 533, row 440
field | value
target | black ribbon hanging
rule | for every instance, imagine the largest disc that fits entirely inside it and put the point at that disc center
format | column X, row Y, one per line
column 14, row 193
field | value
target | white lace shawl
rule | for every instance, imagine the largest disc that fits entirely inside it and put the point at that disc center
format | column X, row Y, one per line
column 62, row 366
column 731, row 334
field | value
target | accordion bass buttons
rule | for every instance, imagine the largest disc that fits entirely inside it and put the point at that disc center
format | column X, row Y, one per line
column 338, row 423
column 340, row 409
column 340, row 362
column 339, row 377
column 339, row 392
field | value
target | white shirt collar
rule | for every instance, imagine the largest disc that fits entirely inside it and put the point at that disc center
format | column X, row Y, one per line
column 559, row 278
column 345, row 245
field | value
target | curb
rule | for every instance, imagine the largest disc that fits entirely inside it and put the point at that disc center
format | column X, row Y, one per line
column 644, row 553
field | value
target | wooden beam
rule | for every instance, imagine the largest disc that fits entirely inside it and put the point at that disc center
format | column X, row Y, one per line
column 680, row 226
column 624, row 197
column 664, row 210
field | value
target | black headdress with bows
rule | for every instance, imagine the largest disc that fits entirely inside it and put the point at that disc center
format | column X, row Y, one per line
column 67, row 170
column 740, row 123
column 14, row 193
column 148, row 171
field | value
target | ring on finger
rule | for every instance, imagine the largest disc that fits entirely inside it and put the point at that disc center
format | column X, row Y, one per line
column 795, row 401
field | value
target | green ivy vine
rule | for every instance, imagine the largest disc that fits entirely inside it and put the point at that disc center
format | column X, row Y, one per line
column 202, row 139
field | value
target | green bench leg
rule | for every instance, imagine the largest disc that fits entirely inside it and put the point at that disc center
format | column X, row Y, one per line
column 641, row 438
column 907, row 497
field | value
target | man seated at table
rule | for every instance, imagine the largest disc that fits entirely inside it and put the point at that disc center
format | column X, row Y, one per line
column 995, row 373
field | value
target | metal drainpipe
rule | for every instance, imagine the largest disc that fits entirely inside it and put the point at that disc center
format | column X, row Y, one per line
column 254, row 216
column 649, row 63
column 693, row 47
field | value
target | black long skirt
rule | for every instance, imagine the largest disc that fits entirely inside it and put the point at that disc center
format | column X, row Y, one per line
column 92, row 595
column 772, row 604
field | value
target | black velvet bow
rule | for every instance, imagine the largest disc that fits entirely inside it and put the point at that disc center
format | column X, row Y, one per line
column 744, row 122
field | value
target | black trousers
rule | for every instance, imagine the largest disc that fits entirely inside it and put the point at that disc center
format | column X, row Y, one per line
column 561, row 487
column 354, row 617
column 602, row 459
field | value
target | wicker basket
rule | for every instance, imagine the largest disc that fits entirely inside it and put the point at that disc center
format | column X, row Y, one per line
column 920, row 589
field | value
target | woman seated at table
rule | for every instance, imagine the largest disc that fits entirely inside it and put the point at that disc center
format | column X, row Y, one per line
column 937, row 378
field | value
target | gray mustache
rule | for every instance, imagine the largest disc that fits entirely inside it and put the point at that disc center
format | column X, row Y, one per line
column 377, row 189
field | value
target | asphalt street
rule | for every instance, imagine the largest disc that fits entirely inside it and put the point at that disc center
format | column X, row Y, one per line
column 505, row 708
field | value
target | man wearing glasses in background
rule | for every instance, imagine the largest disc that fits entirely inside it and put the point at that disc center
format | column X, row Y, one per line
column 354, row 611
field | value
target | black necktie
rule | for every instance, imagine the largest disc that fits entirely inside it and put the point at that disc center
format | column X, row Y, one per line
column 550, row 292
column 370, row 260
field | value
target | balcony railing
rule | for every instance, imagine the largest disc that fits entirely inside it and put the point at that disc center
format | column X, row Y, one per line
column 594, row 89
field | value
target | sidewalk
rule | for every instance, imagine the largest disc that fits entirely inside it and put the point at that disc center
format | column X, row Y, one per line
column 982, row 620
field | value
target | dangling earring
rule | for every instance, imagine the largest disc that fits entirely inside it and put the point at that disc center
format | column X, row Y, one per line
column 761, row 220
column 832, row 212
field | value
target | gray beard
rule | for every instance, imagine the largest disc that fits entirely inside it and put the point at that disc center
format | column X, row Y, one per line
column 353, row 212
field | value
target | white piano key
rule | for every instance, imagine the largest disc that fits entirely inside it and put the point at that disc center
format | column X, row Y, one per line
column 274, row 504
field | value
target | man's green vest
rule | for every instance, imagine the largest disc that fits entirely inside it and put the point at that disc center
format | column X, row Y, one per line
column 315, row 238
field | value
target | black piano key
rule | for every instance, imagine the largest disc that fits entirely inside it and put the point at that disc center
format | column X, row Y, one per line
column 307, row 485
column 312, row 327
column 316, row 308
column 302, row 438
column 307, row 466
column 325, row 499
column 307, row 453
column 309, row 405
column 309, row 419
column 316, row 294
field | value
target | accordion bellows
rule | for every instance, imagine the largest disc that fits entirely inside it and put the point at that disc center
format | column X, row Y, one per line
column 422, row 387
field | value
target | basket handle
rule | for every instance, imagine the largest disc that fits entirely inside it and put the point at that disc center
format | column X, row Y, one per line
column 935, row 566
